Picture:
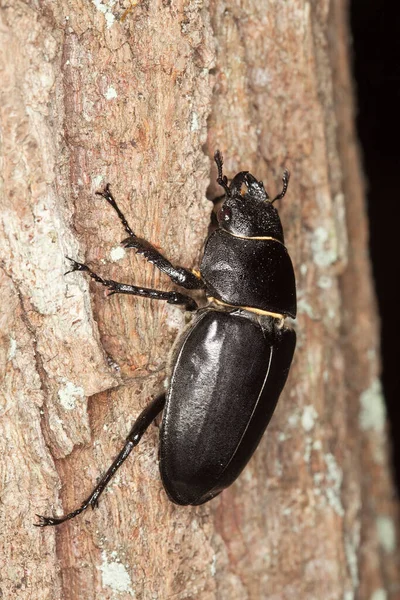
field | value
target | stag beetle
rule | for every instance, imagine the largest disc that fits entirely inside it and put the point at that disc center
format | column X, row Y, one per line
column 233, row 360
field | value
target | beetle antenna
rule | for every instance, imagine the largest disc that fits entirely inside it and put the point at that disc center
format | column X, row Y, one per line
column 285, row 181
column 222, row 179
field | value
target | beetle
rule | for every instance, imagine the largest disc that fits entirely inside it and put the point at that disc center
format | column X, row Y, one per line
column 232, row 361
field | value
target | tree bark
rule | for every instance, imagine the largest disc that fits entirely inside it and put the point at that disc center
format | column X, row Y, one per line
column 141, row 102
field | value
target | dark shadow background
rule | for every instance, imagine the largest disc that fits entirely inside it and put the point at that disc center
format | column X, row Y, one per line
column 376, row 67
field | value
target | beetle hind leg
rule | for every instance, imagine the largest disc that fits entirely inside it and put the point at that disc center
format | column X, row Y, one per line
column 141, row 424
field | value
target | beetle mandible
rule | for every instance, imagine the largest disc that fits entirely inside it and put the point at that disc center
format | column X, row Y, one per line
column 232, row 361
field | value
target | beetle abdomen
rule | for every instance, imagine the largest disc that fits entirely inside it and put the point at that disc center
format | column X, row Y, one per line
column 249, row 272
column 224, row 388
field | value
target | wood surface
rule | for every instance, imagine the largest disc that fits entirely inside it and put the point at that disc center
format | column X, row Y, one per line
column 140, row 94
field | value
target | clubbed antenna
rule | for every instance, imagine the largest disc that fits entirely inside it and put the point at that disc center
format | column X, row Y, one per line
column 285, row 181
column 222, row 179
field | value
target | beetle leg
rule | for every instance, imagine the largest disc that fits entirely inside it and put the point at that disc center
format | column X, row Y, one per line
column 222, row 180
column 141, row 424
column 123, row 288
column 116, row 287
column 179, row 275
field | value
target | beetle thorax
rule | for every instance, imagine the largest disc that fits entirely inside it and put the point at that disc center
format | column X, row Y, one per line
column 248, row 217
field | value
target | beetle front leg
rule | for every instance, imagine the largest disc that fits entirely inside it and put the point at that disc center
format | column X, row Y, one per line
column 123, row 288
column 141, row 424
column 179, row 275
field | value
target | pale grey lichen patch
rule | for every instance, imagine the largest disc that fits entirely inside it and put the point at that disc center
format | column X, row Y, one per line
column 115, row 575
column 68, row 395
column 372, row 408
column 303, row 269
column 308, row 448
column 175, row 317
column 12, row 349
column 304, row 308
column 386, row 533
column 35, row 245
column 293, row 420
column 195, row 125
column 331, row 314
column 110, row 93
column 317, row 445
column 213, row 566
column 351, row 545
column 109, row 19
column 321, row 246
column 311, row 445
column 96, row 181
column 194, row 525
column 105, row 8
column 117, row 253
column 324, row 282
column 379, row 594
column 261, row 77
column 308, row 417
column 318, row 478
column 341, row 231
column 334, row 479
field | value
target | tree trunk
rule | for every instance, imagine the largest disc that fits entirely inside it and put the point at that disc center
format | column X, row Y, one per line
column 141, row 102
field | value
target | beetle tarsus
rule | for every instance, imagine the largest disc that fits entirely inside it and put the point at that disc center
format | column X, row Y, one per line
column 75, row 266
column 49, row 521
column 107, row 195
column 139, row 427
column 44, row 521
column 222, row 180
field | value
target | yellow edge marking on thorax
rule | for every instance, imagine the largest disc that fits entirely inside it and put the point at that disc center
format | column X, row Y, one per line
column 257, row 311
column 244, row 237
column 197, row 273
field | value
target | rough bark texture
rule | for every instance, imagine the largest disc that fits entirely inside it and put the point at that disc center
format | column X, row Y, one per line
column 142, row 102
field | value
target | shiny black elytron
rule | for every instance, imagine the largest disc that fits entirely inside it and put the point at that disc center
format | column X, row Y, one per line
column 232, row 362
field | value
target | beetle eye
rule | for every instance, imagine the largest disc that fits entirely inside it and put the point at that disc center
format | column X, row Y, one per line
column 225, row 214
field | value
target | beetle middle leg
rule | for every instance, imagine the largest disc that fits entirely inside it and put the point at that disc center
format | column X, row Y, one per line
column 141, row 424
column 123, row 288
column 179, row 275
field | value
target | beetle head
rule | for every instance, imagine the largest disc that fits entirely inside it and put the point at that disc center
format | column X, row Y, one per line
column 247, row 210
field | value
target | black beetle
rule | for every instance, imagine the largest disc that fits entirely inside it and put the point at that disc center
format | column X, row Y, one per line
column 232, row 361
